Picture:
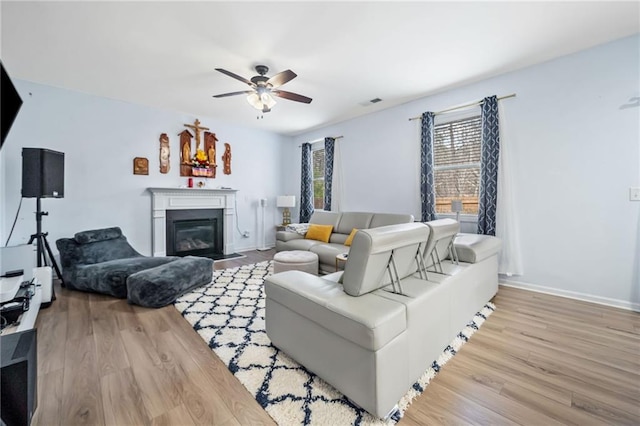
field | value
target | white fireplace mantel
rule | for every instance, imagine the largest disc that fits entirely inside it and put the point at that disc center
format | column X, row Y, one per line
column 163, row 199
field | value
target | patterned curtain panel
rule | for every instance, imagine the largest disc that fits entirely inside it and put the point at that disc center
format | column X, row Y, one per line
column 337, row 185
column 489, row 167
column 329, row 144
column 427, row 189
column 306, row 185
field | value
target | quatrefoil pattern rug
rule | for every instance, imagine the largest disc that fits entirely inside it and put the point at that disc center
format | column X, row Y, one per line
column 229, row 315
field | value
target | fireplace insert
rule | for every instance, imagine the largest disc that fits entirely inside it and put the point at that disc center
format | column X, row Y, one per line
column 197, row 232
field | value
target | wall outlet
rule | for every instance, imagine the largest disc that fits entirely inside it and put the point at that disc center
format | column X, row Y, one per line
column 634, row 194
column 245, row 234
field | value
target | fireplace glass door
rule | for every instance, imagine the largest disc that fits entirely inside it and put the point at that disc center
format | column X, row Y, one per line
column 194, row 233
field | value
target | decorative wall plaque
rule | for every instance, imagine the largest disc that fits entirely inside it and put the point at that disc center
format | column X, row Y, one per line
column 164, row 154
column 140, row 166
column 226, row 158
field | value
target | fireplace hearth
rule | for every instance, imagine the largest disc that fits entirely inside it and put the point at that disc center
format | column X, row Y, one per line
column 195, row 232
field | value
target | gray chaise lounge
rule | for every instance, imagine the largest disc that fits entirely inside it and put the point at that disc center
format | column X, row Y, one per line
column 102, row 261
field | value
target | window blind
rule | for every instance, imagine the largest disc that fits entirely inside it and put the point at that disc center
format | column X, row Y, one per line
column 457, row 143
column 456, row 157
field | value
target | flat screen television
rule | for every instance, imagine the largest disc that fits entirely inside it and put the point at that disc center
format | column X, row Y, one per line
column 11, row 103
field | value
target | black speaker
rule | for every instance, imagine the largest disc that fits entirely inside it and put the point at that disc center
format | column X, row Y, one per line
column 42, row 173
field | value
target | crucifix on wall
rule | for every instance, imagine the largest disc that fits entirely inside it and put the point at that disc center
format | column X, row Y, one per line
column 196, row 128
column 188, row 163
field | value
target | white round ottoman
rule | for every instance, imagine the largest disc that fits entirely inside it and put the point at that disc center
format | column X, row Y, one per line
column 296, row 260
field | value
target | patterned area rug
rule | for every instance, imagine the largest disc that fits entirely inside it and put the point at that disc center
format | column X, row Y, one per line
column 229, row 315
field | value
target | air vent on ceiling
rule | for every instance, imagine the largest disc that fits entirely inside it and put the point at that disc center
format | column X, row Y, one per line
column 370, row 102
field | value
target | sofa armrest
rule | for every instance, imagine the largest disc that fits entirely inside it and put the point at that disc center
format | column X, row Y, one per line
column 369, row 321
column 473, row 248
column 288, row 236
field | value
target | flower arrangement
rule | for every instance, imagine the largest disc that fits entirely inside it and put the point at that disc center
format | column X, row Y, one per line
column 200, row 165
column 200, row 160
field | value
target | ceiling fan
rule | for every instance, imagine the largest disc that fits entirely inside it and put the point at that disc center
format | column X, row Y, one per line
column 264, row 88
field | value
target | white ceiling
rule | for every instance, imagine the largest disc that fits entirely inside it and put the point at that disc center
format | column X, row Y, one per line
column 163, row 54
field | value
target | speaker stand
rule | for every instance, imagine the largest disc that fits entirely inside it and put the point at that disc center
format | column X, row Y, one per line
column 42, row 244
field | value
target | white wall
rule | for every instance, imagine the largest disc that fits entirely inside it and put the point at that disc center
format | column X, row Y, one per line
column 100, row 137
column 576, row 154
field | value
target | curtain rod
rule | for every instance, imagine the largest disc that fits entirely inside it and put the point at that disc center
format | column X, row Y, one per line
column 322, row 139
column 513, row 95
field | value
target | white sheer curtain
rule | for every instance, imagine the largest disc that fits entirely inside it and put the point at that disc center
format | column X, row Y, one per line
column 337, row 190
column 510, row 259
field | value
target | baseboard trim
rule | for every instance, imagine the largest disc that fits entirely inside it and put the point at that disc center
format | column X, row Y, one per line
column 252, row 248
column 615, row 303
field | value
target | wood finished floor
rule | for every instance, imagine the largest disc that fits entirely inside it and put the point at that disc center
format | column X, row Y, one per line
column 538, row 360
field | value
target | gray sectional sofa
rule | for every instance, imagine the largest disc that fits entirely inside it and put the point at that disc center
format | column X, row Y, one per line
column 372, row 330
column 342, row 224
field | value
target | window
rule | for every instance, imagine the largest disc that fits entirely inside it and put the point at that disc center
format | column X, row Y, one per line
column 456, row 160
column 317, row 157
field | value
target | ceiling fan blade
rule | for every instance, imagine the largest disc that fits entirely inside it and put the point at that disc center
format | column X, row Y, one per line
column 281, row 78
column 224, row 95
column 291, row 96
column 236, row 76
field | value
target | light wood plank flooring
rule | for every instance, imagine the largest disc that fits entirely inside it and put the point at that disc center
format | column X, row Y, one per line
column 538, row 360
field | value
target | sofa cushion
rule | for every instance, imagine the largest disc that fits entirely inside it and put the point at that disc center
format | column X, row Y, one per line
column 327, row 252
column 319, row 232
column 366, row 268
column 297, row 244
column 369, row 321
column 94, row 235
column 385, row 219
column 350, row 237
column 338, row 238
column 322, row 217
column 350, row 220
column 472, row 248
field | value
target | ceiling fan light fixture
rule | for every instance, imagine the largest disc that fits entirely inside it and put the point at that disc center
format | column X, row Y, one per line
column 267, row 100
column 255, row 101
column 261, row 101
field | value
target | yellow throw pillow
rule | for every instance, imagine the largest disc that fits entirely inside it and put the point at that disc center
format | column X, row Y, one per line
column 319, row 232
column 350, row 237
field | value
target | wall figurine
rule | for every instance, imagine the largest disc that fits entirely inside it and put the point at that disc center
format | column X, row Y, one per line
column 226, row 158
column 140, row 166
column 210, row 140
column 165, row 166
column 185, row 153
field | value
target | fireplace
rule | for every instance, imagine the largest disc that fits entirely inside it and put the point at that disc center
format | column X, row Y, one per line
column 195, row 232
column 166, row 200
